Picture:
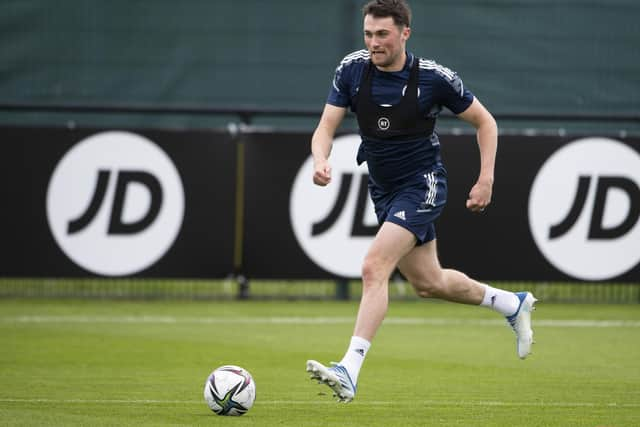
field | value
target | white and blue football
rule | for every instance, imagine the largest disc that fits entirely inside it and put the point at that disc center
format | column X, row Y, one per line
column 230, row 390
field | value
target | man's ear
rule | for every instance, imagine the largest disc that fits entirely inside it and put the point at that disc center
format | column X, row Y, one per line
column 406, row 33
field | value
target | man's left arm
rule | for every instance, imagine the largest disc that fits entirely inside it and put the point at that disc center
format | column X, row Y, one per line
column 487, row 134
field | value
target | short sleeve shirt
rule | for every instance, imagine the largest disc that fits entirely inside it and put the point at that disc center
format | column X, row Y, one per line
column 438, row 87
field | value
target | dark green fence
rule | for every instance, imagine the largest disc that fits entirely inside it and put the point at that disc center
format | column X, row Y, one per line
column 529, row 56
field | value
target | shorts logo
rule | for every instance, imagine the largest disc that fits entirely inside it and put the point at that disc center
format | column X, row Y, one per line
column 383, row 123
column 401, row 215
column 115, row 203
column 584, row 209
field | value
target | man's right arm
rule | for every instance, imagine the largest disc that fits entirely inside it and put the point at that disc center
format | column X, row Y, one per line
column 322, row 141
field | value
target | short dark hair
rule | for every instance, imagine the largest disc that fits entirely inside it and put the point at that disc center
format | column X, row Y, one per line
column 397, row 9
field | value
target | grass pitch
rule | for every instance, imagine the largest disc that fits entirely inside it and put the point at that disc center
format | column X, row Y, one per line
column 99, row 363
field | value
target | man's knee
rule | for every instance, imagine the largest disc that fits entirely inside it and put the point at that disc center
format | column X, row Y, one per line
column 428, row 286
column 374, row 272
column 427, row 290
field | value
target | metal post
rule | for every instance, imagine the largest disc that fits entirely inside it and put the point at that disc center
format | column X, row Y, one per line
column 238, row 254
column 243, row 287
column 342, row 290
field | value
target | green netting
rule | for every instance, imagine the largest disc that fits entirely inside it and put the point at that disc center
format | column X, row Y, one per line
column 573, row 292
column 525, row 56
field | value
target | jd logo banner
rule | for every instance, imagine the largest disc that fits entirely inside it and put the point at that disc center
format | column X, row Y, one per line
column 115, row 203
column 584, row 209
column 335, row 224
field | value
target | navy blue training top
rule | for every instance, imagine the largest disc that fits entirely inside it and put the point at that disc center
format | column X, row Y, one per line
column 392, row 162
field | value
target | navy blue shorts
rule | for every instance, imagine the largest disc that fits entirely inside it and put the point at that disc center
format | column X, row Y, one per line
column 415, row 205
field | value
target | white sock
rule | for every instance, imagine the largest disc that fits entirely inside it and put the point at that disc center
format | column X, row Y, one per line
column 504, row 302
column 354, row 357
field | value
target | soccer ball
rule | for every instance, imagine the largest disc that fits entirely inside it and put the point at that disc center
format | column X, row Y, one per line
column 230, row 390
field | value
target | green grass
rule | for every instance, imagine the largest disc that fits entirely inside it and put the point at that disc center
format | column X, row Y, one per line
column 119, row 363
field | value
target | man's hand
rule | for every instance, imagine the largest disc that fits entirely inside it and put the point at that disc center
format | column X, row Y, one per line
column 322, row 173
column 479, row 196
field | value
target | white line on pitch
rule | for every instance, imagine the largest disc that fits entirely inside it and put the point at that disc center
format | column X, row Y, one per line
column 297, row 320
column 492, row 403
